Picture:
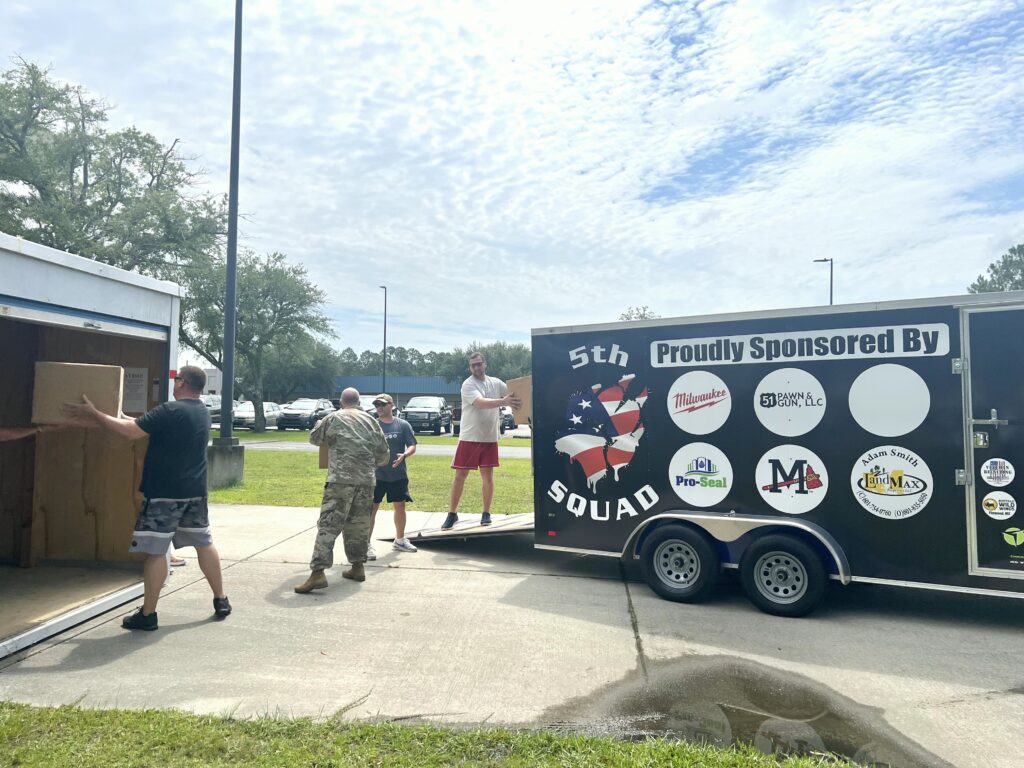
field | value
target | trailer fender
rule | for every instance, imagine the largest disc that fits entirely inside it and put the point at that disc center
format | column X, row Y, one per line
column 731, row 527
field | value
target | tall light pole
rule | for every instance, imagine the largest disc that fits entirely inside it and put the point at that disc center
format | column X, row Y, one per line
column 384, row 352
column 829, row 278
column 228, row 387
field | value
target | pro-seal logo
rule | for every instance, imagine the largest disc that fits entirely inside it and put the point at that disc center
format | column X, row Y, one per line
column 699, row 402
column 792, row 479
column 999, row 505
column 602, row 428
column 891, row 482
column 700, row 474
column 997, row 472
column 789, row 402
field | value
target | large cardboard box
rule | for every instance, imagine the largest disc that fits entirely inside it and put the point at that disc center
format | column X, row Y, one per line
column 59, row 383
column 523, row 389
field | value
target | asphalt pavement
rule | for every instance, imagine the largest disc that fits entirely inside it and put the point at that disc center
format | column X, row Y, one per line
column 495, row 632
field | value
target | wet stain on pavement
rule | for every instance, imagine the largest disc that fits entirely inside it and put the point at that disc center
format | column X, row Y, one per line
column 721, row 701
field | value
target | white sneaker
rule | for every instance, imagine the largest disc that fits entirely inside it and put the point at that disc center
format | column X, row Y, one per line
column 403, row 545
column 371, row 554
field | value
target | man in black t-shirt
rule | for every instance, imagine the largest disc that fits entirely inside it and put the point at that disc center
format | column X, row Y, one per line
column 174, row 487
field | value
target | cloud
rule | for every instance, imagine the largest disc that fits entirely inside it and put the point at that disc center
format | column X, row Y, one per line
column 507, row 166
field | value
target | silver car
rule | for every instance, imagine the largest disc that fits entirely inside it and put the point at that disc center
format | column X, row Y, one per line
column 245, row 414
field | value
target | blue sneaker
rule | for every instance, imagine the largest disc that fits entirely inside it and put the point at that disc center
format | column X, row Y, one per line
column 449, row 521
column 485, row 518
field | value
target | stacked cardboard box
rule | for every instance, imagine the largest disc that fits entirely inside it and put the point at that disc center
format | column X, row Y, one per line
column 59, row 383
column 523, row 389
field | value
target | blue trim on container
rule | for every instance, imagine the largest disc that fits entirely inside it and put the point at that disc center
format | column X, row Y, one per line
column 79, row 313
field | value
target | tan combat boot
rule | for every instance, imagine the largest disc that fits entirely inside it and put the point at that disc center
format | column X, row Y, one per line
column 356, row 572
column 316, row 580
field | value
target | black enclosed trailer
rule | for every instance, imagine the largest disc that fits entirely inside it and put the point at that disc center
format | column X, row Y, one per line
column 872, row 442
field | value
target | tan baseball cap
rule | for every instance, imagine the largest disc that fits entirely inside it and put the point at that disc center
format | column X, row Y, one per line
column 383, row 399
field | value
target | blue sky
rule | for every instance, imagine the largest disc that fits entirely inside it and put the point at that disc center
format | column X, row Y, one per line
column 505, row 166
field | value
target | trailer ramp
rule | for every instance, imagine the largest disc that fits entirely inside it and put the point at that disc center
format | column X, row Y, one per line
column 469, row 527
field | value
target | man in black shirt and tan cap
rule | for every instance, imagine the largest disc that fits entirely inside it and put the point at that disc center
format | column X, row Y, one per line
column 174, row 487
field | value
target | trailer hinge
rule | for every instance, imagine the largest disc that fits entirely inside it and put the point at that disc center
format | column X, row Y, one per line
column 959, row 365
column 962, row 478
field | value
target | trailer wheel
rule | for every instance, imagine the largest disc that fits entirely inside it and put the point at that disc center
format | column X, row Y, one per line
column 783, row 576
column 679, row 563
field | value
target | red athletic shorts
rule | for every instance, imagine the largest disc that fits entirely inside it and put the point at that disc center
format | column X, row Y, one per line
column 475, row 455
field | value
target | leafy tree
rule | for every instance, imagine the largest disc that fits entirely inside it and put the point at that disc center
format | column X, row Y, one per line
column 348, row 362
column 1007, row 274
column 307, row 363
column 276, row 305
column 415, row 362
column 126, row 199
column 120, row 197
column 369, row 363
column 504, row 360
column 433, row 363
column 639, row 313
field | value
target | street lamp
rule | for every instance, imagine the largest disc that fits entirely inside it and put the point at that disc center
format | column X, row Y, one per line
column 384, row 353
column 228, row 365
column 829, row 278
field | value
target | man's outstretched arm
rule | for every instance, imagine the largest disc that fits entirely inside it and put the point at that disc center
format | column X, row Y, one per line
column 88, row 414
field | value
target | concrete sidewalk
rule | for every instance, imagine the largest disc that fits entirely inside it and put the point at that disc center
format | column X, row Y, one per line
column 493, row 631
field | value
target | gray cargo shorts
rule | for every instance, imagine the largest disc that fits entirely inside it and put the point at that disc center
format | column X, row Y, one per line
column 185, row 522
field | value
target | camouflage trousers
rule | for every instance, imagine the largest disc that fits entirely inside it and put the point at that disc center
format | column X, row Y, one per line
column 345, row 510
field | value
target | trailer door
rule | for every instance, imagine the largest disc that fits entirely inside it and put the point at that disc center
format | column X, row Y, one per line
column 994, row 397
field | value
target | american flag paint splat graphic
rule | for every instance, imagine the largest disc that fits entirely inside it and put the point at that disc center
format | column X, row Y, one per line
column 603, row 428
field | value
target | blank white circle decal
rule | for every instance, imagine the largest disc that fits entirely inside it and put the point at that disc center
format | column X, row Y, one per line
column 889, row 400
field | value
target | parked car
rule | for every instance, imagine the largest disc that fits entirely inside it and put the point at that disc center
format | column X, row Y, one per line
column 303, row 413
column 272, row 411
column 508, row 420
column 212, row 403
column 427, row 413
column 245, row 414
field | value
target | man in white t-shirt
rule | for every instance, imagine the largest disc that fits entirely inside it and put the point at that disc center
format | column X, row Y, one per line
column 482, row 397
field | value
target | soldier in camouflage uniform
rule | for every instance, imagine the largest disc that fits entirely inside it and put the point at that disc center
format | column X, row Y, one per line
column 357, row 447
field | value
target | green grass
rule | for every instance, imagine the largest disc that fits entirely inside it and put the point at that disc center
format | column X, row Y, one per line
column 292, row 436
column 294, row 479
column 68, row 736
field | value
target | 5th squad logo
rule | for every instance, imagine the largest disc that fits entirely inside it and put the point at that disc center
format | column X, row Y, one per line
column 600, row 433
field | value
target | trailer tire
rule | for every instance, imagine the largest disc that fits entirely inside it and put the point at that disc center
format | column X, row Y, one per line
column 783, row 576
column 680, row 564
